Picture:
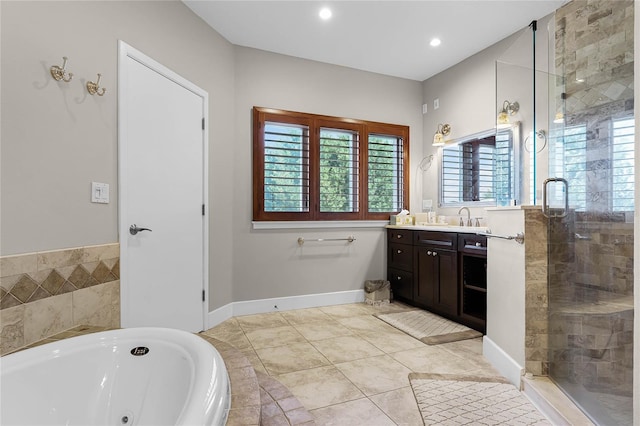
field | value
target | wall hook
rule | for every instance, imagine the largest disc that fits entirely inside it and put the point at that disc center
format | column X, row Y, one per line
column 60, row 73
column 94, row 88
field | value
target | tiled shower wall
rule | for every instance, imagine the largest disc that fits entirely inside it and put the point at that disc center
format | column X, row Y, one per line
column 591, row 251
column 536, row 293
column 590, row 258
column 594, row 52
column 44, row 293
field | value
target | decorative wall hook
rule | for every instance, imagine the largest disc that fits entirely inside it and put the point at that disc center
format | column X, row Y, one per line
column 60, row 73
column 94, row 88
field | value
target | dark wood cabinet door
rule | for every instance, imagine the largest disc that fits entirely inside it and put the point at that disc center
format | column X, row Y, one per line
column 437, row 279
column 446, row 296
column 400, row 256
column 426, row 268
column 401, row 284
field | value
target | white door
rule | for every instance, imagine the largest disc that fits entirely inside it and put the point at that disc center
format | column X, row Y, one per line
column 162, row 187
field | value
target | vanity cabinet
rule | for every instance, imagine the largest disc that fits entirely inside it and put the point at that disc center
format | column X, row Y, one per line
column 444, row 272
column 473, row 279
column 400, row 262
column 435, row 271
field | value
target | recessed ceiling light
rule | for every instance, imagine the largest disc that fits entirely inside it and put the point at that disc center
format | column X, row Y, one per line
column 325, row 13
column 435, row 42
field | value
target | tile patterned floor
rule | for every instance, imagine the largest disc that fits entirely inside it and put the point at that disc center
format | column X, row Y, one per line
column 344, row 365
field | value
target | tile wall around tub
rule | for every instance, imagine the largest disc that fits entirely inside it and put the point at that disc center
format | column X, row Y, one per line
column 44, row 293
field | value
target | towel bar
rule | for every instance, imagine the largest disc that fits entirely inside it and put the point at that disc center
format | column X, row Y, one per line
column 349, row 239
column 518, row 238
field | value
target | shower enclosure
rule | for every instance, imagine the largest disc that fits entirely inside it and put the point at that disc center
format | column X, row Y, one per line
column 574, row 86
column 590, row 208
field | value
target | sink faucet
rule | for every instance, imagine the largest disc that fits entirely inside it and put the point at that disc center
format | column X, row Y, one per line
column 468, row 215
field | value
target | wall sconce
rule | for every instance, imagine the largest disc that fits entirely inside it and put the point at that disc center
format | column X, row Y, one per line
column 94, row 88
column 443, row 130
column 508, row 109
column 559, row 118
column 60, row 73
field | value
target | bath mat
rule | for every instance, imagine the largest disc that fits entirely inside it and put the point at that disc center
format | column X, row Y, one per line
column 461, row 400
column 429, row 328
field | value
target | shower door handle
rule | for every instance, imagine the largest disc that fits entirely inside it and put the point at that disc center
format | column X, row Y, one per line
column 133, row 229
column 545, row 205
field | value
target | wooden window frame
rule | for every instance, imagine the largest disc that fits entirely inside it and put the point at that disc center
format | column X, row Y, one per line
column 314, row 123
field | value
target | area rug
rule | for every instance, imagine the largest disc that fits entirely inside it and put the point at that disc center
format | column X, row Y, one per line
column 453, row 399
column 429, row 328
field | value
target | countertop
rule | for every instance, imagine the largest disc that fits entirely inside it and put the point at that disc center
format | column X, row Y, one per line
column 442, row 228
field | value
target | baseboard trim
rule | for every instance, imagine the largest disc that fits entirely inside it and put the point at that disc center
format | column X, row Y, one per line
column 219, row 315
column 277, row 304
column 502, row 362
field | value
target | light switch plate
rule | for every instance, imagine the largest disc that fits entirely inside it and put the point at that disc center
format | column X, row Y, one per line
column 99, row 192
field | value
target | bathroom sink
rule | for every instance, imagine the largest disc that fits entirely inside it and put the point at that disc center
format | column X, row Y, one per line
column 445, row 228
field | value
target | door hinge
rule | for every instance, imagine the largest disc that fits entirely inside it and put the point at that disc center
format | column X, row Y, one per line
column 203, row 295
column 202, row 123
column 203, row 210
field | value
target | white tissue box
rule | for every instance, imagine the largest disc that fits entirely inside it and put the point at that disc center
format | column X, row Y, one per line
column 401, row 219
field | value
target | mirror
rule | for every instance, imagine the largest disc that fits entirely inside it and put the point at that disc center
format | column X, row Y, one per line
column 482, row 169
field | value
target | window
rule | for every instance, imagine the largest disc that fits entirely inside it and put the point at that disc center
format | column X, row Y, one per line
column 622, row 159
column 568, row 159
column 286, row 167
column 611, row 185
column 312, row 167
column 506, row 172
column 469, row 173
column 339, row 170
column 386, row 173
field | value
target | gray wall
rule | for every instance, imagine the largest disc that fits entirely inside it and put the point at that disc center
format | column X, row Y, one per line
column 467, row 97
column 56, row 138
column 270, row 263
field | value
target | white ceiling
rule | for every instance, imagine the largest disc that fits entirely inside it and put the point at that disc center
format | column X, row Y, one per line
column 386, row 37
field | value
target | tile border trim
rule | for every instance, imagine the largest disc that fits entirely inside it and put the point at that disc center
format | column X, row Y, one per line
column 28, row 277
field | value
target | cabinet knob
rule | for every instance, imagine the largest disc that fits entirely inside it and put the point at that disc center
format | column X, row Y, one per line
column 434, row 254
column 429, row 253
column 478, row 244
column 399, row 251
column 398, row 236
column 399, row 278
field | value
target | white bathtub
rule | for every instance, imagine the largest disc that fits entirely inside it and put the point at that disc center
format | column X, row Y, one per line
column 137, row 376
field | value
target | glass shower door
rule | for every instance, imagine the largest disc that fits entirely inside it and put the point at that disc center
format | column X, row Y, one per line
column 591, row 277
column 589, row 204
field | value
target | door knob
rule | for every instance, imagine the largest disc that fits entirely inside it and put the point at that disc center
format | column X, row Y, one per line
column 133, row 229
